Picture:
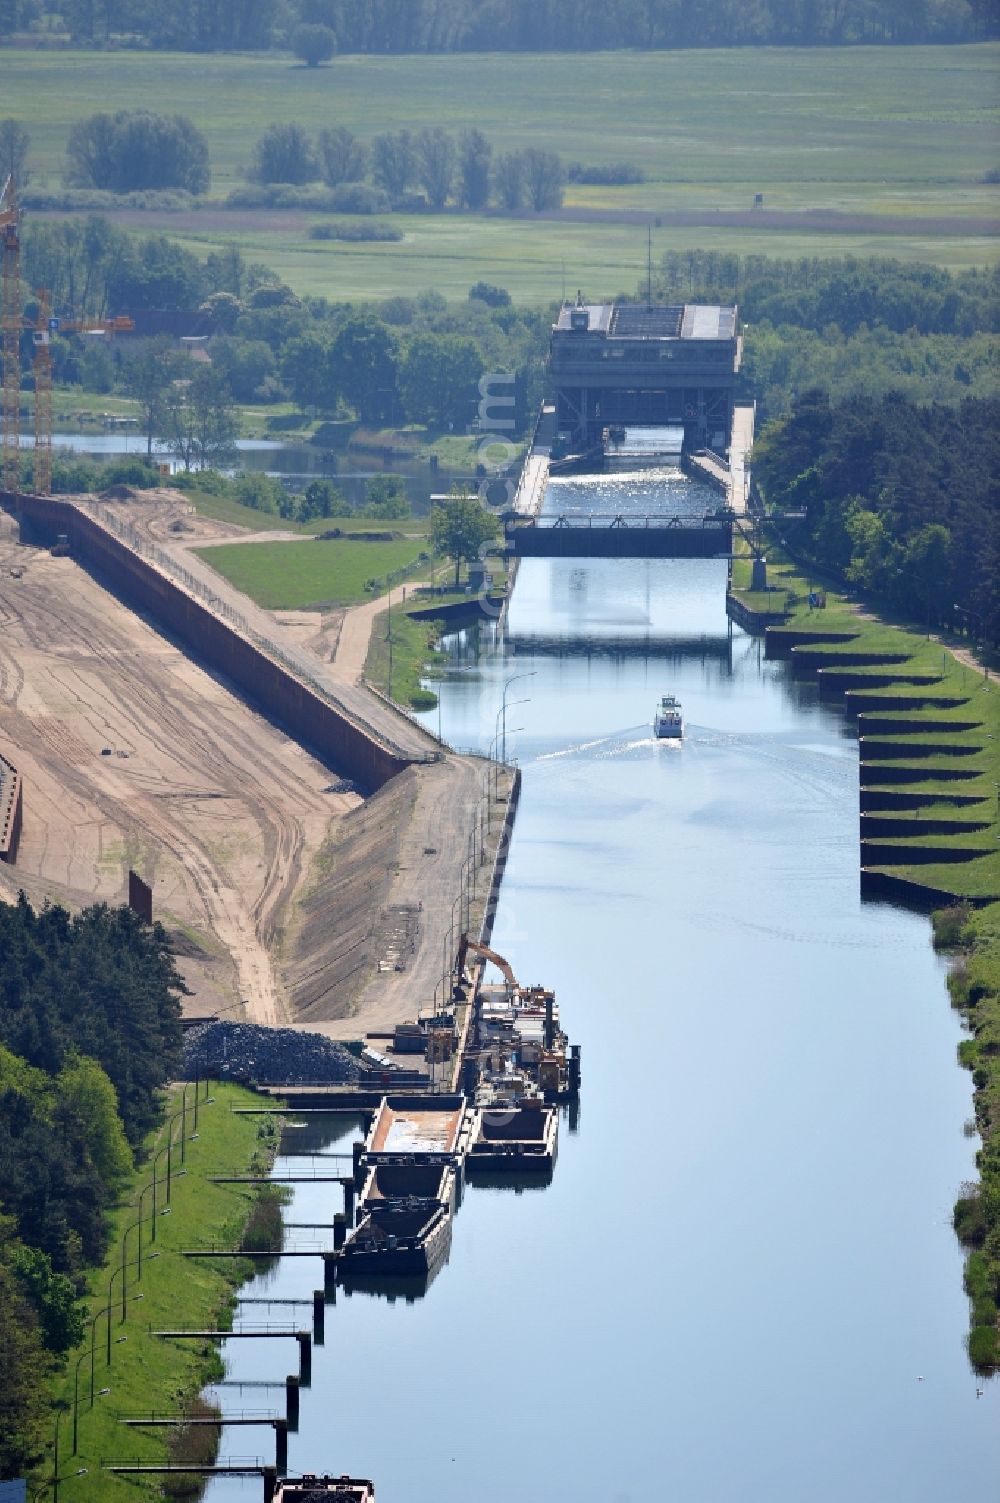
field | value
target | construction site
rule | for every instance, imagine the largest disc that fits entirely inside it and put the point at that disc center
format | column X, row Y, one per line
column 306, row 842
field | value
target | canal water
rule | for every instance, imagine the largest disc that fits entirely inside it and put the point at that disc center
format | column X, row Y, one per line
column 294, row 463
column 742, row 1283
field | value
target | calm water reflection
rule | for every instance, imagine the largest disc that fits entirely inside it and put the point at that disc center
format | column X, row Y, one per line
column 745, row 1259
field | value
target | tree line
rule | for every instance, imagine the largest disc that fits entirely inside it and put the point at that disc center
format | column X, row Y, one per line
column 132, row 151
column 900, row 499
column 89, row 1033
column 461, row 169
column 402, row 360
column 388, row 26
column 848, row 324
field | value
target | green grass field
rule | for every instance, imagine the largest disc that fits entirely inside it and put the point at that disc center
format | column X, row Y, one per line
column 900, row 132
column 291, row 576
column 146, row 1373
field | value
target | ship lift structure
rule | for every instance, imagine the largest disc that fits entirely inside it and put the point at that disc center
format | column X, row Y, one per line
column 43, row 328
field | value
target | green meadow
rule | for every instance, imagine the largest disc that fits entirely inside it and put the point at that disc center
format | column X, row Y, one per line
column 905, row 134
column 293, row 575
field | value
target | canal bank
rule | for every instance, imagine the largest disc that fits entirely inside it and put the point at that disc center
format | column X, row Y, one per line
column 784, row 1268
column 148, row 1284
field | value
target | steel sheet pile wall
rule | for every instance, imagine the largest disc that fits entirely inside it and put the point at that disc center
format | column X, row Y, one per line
column 10, row 810
column 316, row 722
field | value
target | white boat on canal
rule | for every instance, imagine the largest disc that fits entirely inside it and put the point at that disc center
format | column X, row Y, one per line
column 667, row 722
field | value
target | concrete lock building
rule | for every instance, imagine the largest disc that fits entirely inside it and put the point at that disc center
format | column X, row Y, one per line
column 636, row 364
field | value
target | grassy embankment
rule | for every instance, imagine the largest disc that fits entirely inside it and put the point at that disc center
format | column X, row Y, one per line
column 955, row 729
column 147, row 1373
column 314, row 574
column 414, row 642
column 900, row 135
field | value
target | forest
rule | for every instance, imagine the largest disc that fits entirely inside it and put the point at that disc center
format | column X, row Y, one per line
column 89, row 1034
column 401, row 26
column 900, row 499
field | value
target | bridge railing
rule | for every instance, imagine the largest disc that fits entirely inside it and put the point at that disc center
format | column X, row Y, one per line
column 723, row 518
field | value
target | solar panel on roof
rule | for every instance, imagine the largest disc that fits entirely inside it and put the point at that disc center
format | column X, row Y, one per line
column 635, row 321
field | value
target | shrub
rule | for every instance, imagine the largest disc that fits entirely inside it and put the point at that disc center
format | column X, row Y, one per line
column 76, row 200
column 195, row 1444
column 486, row 292
column 612, row 174
column 358, row 198
column 335, row 231
column 951, row 926
column 264, row 1229
column 983, row 1351
column 977, row 1275
column 349, row 198
column 968, row 1219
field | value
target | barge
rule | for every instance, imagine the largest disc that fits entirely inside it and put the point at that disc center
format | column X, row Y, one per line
column 397, row 1239
column 404, row 1224
column 414, row 1127
column 311, row 1487
column 519, row 1139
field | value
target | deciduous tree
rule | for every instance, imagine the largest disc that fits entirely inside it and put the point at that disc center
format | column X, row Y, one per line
column 343, row 158
column 283, row 154
column 135, row 149
column 314, row 44
column 460, row 528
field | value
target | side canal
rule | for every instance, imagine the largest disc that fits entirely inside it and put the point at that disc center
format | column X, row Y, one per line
column 742, row 1282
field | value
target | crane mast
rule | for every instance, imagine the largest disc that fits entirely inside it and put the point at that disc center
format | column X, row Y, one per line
column 10, row 319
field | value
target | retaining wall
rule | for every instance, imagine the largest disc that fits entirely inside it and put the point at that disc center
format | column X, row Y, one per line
column 804, row 658
column 889, row 725
column 779, row 640
column 875, row 854
column 860, row 702
column 872, row 773
column 874, row 750
column 500, row 860
column 913, row 895
column 10, row 811
column 887, row 827
column 319, row 724
column 891, row 798
column 754, row 622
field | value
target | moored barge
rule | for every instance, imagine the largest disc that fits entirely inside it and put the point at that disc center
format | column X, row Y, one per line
column 312, row 1487
column 515, row 1138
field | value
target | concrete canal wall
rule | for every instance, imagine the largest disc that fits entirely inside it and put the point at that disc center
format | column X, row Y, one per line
column 896, row 744
column 349, row 747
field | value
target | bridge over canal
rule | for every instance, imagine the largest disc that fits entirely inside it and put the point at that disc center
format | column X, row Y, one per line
column 622, row 535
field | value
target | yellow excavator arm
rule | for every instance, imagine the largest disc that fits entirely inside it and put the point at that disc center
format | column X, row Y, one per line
column 503, row 966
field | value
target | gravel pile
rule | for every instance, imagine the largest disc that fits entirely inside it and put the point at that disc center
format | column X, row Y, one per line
column 278, row 1056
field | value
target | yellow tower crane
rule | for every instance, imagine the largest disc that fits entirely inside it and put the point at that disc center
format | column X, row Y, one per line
column 10, row 325
column 44, row 328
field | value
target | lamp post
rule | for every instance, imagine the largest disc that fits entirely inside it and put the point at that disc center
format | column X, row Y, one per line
column 973, row 616
column 514, row 679
column 76, row 1394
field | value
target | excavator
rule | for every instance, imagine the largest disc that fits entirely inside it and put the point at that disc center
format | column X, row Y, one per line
column 503, row 966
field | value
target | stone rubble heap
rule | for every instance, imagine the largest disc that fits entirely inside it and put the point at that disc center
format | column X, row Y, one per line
column 279, row 1056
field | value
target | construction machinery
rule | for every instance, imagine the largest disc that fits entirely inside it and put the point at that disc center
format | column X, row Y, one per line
column 44, row 328
column 10, row 326
column 503, row 966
